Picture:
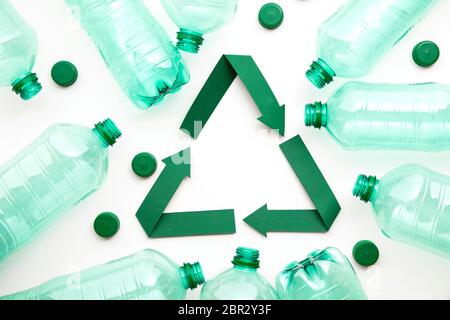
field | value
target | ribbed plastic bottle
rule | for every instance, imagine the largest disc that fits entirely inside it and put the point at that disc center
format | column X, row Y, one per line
column 18, row 50
column 242, row 282
column 323, row 275
column 196, row 18
column 134, row 46
column 386, row 116
column 355, row 38
column 145, row 275
column 411, row 204
column 59, row 169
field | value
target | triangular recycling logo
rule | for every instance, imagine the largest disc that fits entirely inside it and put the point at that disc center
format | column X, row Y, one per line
column 158, row 224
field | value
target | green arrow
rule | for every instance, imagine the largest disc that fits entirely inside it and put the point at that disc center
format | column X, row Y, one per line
column 209, row 98
column 264, row 220
column 176, row 170
column 308, row 173
column 218, row 83
column 186, row 224
column 273, row 114
column 158, row 225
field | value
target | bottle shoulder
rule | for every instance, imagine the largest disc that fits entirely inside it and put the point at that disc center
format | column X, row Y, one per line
column 146, row 274
column 63, row 143
column 239, row 284
column 19, row 47
column 401, row 188
column 401, row 183
column 73, row 141
column 153, row 257
column 411, row 203
column 360, row 116
column 201, row 16
column 73, row 145
column 356, row 37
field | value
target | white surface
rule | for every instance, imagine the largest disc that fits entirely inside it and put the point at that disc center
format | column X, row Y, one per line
column 236, row 163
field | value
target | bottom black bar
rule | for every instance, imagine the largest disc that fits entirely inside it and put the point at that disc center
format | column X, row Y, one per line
column 198, row 310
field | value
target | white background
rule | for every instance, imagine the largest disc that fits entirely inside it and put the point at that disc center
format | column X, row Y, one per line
column 236, row 163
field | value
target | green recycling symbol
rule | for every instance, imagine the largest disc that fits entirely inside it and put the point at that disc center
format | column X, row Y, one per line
column 158, row 224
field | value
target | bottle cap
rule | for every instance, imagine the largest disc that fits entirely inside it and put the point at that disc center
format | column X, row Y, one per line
column 64, row 73
column 271, row 16
column 426, row 53
column 106, row 224
column 144, row 164
column 366, row 253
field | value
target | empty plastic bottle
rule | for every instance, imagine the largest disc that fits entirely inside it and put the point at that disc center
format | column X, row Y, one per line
column 134, row 46
column 198, row 17
column 59, row 169
column 18, row 50
column 386, row 116
column 357, row 36
column 242, row 282
column 145, row 275
column 323, row 275
column 411, row 204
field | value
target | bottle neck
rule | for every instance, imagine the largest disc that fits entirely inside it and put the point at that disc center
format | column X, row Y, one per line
column 27, row 86
column 107, row 132
column 189, row 41
column 316, row 115
column 246, row 259
column 192, row 275
column 320, row 74
column 366, row 188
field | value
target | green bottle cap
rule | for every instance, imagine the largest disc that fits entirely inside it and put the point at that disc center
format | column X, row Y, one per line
column 144, row 164
column 106, row 224
column 426, row 53
column 64, row 73
column 365, row 253
column 271, row 16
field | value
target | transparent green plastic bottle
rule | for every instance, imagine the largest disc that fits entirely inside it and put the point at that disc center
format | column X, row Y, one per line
column 59, row 169
column 198, row 17
column 18, row 50
column 134, row 46
column 145, row 275
column 386, row 116
column 323, row 275
column 242, row 282
column 411, row 204
column 355, row 38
